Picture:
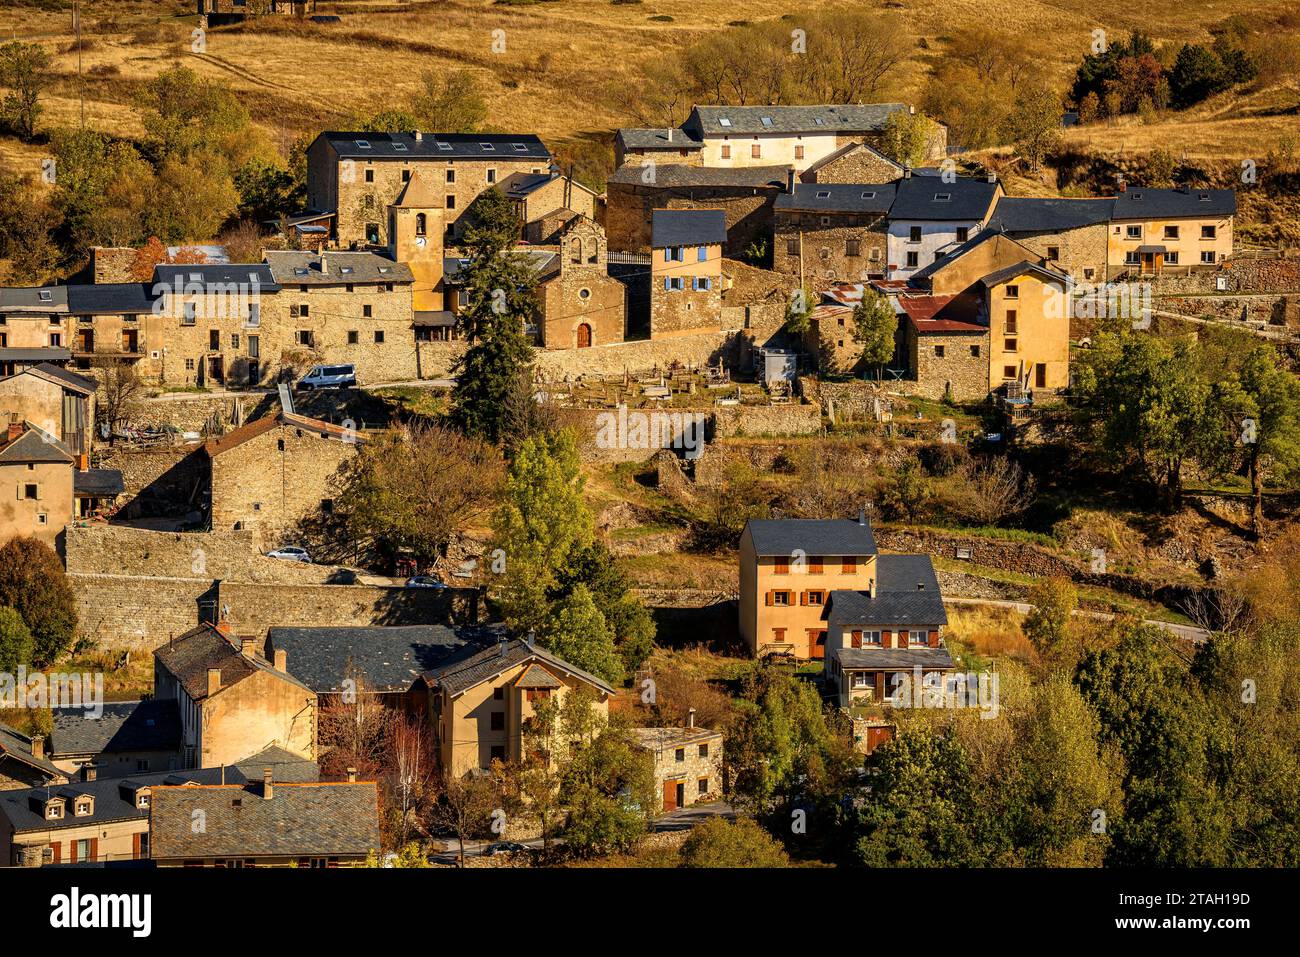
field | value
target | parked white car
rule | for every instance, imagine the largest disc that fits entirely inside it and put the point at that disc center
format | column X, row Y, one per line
column 291, row 553
column 329, row 377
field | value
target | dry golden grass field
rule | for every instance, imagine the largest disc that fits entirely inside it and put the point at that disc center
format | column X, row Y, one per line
column 568, row 64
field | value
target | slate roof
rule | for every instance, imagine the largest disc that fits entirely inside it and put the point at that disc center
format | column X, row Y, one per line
column 907, row 593
column 206, row 275
column 535, row 676
column 419, row 193
column 839, row 198
column 18, row 746
column 459, row 146
column 40, row 354
column 813, row 536
column 828, row 118
column 191, row 655
column 1138, row 202
column 937, row 659
column 1022, row 267
column 36, row 446
column 678, row 176
column 292, row 267
column 1026, row 214
column 19, row 299
column 640, row 138
column 542, row 261
column 251, row 430
column 153, row 725
column 921, row 198
column 323, row 819
column 99, row 483
column 67, row 379
column 687, row 227
column 111, row 298
column 475, row 664
column 115, row 797
column 390, row 657
column 659, row 739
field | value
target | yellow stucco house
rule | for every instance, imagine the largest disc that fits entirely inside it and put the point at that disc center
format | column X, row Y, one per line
column 481, row 698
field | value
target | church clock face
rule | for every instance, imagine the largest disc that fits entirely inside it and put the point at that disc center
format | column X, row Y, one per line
column 420, row 241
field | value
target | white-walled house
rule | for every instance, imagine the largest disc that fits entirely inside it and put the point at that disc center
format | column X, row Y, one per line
column 932, row 215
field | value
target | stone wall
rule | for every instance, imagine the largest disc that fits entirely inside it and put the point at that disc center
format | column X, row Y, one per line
column 767, row 420
column 134, row 613
column 823, row 250
column 189, row 411
column 963, row 366
column 159, row 481
column 637, row 357
column 859, row 165
column 628, row 212
column 253, row 608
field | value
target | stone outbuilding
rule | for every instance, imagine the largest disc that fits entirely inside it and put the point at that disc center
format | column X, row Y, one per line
column 687, row 764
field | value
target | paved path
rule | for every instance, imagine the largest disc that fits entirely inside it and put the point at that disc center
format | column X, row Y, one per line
column 1189, row 632
column 683, row 819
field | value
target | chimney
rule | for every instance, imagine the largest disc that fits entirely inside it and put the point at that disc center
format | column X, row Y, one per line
column 871, row 589
column 15, row 429
column 89, row 772
column 907, row 173
column 531, row 639
column 920, row 586
column 268, row 786
column 862, row 516
column 501, row 648
column 419, row 137
column 690, row 718
column 789, row 181
column 911, row 109
column 352, row 775
column 38, row 746
column 1123, row 186
column 324, row 265
column 214, row 681
column 247, row 646
column 83, row 461
column 281, row 660
column 223, row 625
column 993, row 177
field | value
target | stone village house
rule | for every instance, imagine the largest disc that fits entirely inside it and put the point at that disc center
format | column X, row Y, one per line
column 686, row 272
column 687, row 763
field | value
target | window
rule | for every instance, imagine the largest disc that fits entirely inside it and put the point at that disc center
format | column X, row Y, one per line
column 82, row 849
column 304, row 337
column 848, row 566
column 56, row 339
column 491, row 175
column 1040, row 376
column 943, row 197
column 498, row 720
column 792, row 247
column 498, row 694
column 702, row 254
column 366, row 312
column 974, row 352
column 680, row 755
column 1209, row 232
column 214, row 339
column 370, row 176
column 1131, row 258
column 1008, row 372
column 939, row 352
column 853, row 247
column 913, row 260
column 1133, row 232
column 1053, row 252
column 780, row 598
column 756, row 151
column 725, row 152
column 871, row 637
column 379, row 337
column 353, row 337
column 254, row 347
column 189, row 365
column 914, row 234
column 498, row 752
column 83, row 807
column 963, row 233
column 1013, row 292
column 1171, row 258
column 1011, row 321
column 781, row 566
column 1171, row 232
column 190, row 314
column 234, row 340
column 1207, row 257
column 704, row 750
column 451, row 175
column 406, row 176
column 816, row 598
column 451, row 201
column 798, row 152
column 254, row 315
column 1009, row 345
column 31, row 491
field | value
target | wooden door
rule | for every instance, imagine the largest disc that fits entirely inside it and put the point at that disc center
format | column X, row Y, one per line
column 670, row 796
column 584, row 336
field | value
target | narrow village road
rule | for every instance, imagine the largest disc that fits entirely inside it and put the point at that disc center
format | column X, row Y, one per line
column 1188, row 632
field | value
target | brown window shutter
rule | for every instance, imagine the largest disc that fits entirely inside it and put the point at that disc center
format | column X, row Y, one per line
column 803, row 598
column 72, row 851
column 902, row 640
column 768, row 598
column 94, row 849
column 934, row 638
column 886, row 639
column 849, row 566
column 815, row 565
column 857, row 639
column 135, row 846
column 58, row 851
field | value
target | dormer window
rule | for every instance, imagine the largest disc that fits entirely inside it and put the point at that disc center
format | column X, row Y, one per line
column 766, row 121
column 942, row 197
column 45, row 295
column 823, row 194
column 819, row 121
column 54, row 811
column 488, row 147
column 1136, row 196
column 723, row 121
column 520, row 147
column 345, row 270
column 363, row 144
column 1204, row 197
column 84, row 807
column 400, row 147
column 142, row 800
column 868, row 195
column 445, row 147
